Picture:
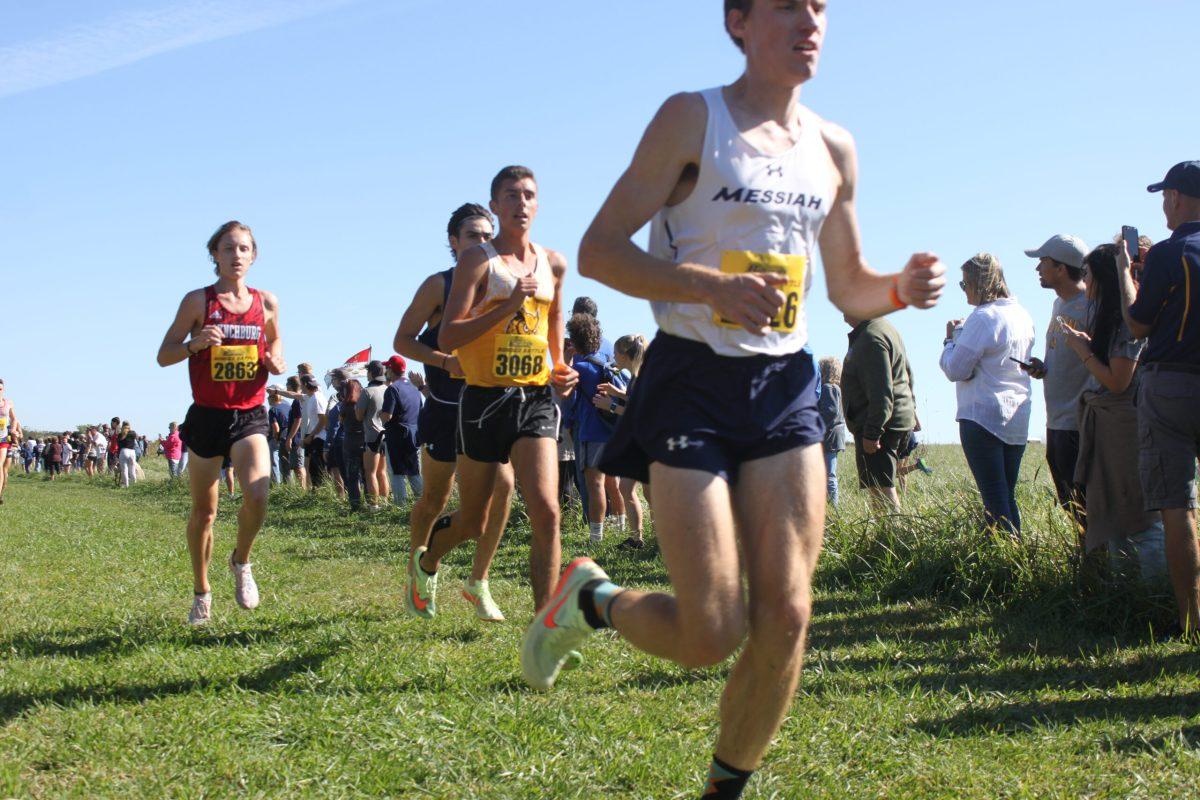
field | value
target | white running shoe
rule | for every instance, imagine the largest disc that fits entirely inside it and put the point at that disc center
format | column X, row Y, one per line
column 559, row 628
column 421, row 595
column 244, row 587
column 477, row 594
column 201, row 609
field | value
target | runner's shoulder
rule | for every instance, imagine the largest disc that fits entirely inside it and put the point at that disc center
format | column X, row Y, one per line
column 269, row 300
column 839, row 141
column 558, row 262
column 681, row 116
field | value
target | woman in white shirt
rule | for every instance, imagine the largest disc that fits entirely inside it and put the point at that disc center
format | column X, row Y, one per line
column 983, row 356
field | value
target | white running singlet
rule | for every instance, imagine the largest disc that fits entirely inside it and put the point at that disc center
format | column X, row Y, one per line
column 748, row 212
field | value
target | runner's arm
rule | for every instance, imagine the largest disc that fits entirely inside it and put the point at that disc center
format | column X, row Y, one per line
column 456, row 330
column 424, row 305
column 853, row 287
column 273, row 358
column 670, row 148
column 175, row 347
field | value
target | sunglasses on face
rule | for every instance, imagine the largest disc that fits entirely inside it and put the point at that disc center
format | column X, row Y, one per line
column 962, row 285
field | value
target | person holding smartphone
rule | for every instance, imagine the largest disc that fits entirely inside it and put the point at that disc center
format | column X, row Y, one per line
column 1060, row 269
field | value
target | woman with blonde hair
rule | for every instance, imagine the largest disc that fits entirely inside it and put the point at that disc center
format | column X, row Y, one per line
column 983, row 355
column 830, row 406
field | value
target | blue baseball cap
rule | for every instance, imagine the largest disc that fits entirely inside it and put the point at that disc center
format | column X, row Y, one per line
column 1184, row 178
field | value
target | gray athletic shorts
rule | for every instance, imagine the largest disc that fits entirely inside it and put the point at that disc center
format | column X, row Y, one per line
column 591, row 453
column 1169, row 437
column 296, row 457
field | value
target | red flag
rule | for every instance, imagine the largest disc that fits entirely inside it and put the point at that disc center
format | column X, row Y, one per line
column 361, row 357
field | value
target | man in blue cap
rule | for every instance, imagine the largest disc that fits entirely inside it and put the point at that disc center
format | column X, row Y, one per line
column 1166, row 311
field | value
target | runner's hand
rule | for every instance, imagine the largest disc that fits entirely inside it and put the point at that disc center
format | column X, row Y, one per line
column 209, row 336
column 454, row 368
column 922, row 281
column 526, row 287
column 750, row 299
column 563, row 379
column 274, row 364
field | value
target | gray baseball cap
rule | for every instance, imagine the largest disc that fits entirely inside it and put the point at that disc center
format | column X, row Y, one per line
column 1063, row 248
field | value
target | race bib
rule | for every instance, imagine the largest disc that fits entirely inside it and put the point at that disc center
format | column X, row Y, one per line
column 739, row 262
column 3, row 427
column 234, row 362
column 518, row 356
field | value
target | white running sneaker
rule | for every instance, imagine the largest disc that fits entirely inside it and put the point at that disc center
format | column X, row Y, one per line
column 201, row 609
column 421, row 594
column 477, row 594
column 244, row 587
column 559, row 628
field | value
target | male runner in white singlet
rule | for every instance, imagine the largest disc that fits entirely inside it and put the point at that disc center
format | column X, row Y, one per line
column 743, row 184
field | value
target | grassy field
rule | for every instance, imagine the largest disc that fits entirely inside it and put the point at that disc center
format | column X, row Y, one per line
column 944, row 663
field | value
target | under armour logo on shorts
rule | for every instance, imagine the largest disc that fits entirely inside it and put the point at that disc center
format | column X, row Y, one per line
column 682, row 443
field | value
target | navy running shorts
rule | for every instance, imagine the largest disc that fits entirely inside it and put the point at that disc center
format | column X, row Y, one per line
column 437, row 430
column 693, row 409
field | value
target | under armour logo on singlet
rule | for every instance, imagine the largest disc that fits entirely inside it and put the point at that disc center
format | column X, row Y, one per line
column 776, row 171
column 682, row 443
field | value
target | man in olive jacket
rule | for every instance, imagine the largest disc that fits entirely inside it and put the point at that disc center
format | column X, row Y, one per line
column 877, row 395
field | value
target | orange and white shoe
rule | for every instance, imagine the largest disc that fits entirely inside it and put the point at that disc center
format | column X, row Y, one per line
column 559, row 628
column 421, row 596
column 477, row 594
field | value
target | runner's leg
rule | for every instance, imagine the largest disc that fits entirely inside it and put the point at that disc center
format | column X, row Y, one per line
column 493, row 532
column 475, row 482
column 780, row 524
column 705, row 619
column 535, row 464
column 439, row 480
column 251, row 462
column 204, row 476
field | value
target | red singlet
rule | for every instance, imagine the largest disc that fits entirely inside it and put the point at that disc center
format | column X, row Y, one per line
column 231, row 375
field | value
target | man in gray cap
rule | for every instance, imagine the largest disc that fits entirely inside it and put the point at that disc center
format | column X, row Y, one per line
column 1060, row 269
column 1166, row 312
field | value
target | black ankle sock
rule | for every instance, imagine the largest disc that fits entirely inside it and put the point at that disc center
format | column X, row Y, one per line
column 598, row 617
column 440, row 525
column 725, row 782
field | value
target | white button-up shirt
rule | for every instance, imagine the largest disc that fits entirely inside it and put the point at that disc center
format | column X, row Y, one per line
column 993, row 390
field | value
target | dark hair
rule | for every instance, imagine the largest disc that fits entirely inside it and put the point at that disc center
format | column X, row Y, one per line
column 736, row 5
column 375, row 370
column 463, row 213
column 511, row 173
column 1075, row 273
column 584, row 330
column 1105, row 321
column 215, row 240
column 585, row 305
column 293, row 383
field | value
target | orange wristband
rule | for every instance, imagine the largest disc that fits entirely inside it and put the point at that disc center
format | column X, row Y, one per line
column 894, row 294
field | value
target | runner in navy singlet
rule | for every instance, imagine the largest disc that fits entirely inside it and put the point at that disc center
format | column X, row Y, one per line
column 437, row 428
column 229, row 335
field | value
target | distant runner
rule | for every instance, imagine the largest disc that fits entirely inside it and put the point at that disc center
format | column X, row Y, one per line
column 229, row 335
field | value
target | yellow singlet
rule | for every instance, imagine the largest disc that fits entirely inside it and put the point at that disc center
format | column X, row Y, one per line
column 516, row 351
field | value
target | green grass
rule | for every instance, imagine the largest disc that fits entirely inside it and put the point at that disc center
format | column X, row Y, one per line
column 944, row 662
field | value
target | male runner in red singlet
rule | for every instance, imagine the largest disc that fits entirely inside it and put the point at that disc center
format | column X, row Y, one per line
column 743, row 184
column 437, row 428
column 10, row 431
column 234, row 342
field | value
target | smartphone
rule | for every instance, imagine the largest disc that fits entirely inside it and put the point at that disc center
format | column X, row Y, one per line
column 1025, row 364
column 1130, row 235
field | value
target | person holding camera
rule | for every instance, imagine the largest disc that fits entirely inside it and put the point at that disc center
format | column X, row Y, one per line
column 1165, row 310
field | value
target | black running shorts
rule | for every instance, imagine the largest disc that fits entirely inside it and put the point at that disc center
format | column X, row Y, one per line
column 211, row 432
column 491, row 420
column 693, row 409
column 437, row 430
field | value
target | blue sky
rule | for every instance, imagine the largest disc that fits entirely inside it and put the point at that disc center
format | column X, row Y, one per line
column 345, row 131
